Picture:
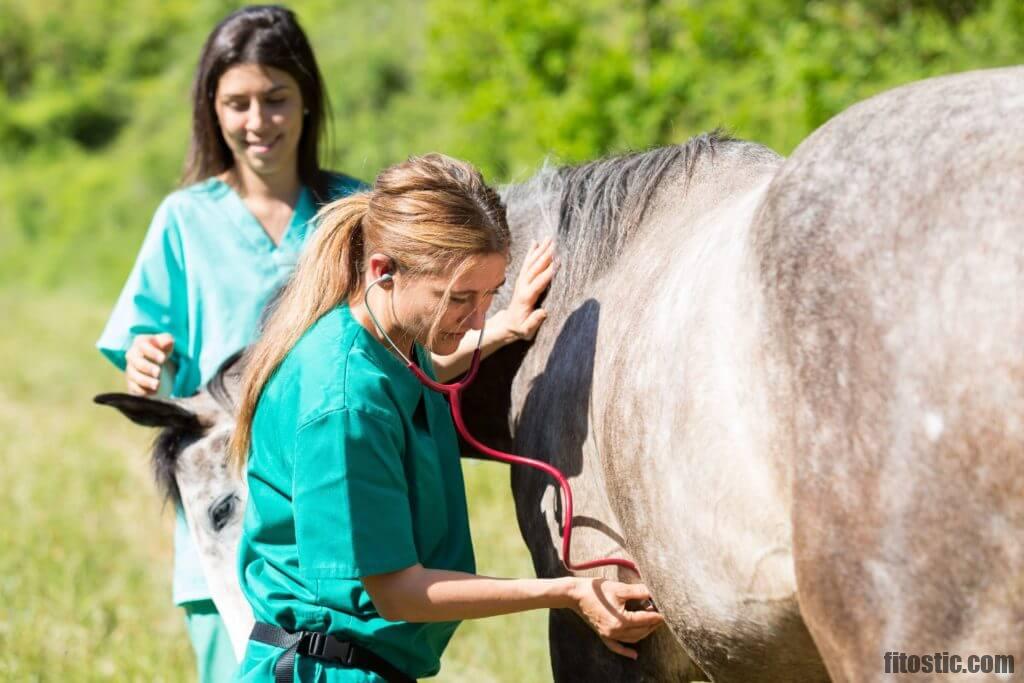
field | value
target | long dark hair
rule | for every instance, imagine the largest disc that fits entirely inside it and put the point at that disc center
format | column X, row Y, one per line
column 267, row 35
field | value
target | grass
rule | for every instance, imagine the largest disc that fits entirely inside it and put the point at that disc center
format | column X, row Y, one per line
column 85, row 550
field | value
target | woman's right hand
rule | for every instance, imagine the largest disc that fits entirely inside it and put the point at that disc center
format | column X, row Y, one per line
column 144, row 359
column 602, row 604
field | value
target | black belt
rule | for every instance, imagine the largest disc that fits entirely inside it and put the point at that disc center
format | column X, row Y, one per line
column 321, row 646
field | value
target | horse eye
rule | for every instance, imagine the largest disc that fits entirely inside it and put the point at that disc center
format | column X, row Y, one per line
column 222, row 511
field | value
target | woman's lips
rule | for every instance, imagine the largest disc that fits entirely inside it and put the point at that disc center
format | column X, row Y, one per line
column 263, row 147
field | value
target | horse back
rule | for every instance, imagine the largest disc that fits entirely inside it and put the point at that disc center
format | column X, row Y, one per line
column 892, row 256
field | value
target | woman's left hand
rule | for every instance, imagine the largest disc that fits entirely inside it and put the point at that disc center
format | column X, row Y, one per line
column 522, row 318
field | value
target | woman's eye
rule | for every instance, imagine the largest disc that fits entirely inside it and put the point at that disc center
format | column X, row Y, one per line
column 277, row 100
column 459, row 300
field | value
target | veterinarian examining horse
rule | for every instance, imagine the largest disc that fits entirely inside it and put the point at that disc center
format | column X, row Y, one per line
column 356, row 553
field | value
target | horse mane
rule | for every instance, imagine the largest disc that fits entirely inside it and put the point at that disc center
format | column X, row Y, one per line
column 601, row 204
column 171, row 441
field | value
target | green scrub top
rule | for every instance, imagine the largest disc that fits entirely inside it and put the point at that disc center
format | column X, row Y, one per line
column 204, row 273
column 353, row 471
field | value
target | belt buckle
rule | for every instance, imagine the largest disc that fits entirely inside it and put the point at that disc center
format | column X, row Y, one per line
column 323, row 646
column 314, row 643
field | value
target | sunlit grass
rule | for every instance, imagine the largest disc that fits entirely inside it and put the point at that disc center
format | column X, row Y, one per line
column 85, row 547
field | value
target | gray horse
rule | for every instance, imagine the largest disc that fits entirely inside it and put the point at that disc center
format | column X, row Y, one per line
column 789, row 390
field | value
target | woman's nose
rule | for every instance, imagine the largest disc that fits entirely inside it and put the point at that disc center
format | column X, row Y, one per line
column 476, row 318
column 256, row 116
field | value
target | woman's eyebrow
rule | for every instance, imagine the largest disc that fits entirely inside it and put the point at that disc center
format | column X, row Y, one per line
column 269, row 91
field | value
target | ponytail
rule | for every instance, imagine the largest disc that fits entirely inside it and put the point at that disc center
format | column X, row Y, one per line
column 328, row 273
column 430, row 214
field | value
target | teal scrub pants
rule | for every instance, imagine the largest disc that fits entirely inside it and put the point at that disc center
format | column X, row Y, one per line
column 215, row 660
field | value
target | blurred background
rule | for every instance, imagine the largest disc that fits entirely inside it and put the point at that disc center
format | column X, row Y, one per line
column 94, row 120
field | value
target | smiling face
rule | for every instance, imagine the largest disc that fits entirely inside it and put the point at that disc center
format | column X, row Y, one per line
column 418, row 299
column 260, row 112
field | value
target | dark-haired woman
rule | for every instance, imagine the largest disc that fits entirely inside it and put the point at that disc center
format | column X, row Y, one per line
column 221, row 246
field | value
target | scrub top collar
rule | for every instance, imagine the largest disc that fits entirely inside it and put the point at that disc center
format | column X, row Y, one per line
column 253, row 230
column 408, row 389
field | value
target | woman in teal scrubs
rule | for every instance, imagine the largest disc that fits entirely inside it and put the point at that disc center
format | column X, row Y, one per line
column 356, row 554
column 221, row 246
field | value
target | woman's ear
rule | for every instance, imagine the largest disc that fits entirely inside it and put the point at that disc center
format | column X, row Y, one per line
column 380, row 265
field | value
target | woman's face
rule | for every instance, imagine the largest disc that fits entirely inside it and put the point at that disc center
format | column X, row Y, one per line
column 417, row 301
column 260, row 112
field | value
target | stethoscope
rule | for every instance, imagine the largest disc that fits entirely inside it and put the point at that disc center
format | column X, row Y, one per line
column 453, row 392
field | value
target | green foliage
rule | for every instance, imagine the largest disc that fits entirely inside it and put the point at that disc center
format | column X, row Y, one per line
column 94, row 95
column 580, row 79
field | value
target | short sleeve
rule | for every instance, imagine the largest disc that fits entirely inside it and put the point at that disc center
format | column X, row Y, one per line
column 351, row 498
column 154, row 299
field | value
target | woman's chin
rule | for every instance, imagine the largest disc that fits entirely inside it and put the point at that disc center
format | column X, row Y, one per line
column 445, row 346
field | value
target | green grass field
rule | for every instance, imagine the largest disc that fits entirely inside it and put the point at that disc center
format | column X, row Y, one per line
column 85, row 548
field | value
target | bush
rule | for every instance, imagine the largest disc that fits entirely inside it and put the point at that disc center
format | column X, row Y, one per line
column 94, row 108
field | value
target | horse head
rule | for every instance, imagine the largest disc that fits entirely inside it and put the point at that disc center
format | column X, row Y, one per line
column 190, row 465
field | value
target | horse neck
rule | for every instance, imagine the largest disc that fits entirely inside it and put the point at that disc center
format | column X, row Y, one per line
column 599, row 218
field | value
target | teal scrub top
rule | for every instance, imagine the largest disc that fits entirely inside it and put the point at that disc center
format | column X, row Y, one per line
column 204, row 273
column 353, row 471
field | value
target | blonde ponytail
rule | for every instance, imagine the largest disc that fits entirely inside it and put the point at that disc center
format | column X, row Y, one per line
column 328, row 273
column 430, row 214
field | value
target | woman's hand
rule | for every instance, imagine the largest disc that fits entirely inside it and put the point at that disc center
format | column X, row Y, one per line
column 602, row 604
column 144, row 359
column 522, row 318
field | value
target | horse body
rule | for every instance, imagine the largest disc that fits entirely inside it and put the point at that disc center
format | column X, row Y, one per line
column 767, row 387
column 892, row 247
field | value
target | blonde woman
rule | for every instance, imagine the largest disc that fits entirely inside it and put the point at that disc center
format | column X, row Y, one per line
column 356, row 553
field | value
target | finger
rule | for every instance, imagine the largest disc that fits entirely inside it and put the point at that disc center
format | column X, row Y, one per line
column 164, row 342
column 642, row 618
column 533, row 323
column 630, row 634
column 153, row 353
column 146, row 367
column 618, row 648
column 539, row 282
column 529, row 291
column 138, row 390
column 147, row 385
column 632, row 591
column 542, row 259
column 134, row 388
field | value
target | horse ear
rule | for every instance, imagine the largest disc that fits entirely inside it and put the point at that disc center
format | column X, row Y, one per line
column 152, row 412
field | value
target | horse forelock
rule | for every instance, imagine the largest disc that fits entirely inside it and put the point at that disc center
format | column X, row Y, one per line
column 169, row 444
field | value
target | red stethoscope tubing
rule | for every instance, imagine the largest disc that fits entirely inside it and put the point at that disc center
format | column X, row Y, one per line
column 453, row 393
